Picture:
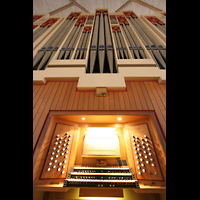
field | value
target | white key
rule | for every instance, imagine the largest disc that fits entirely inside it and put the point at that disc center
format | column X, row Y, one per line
column 60, row 163
column 59, row 169
column 63, row 172
column 48, row 169
column 139, row 173
column 50, row 163
column 143, row 170
column 138, row 167
column 52, row 153
column 57, row 135
column 51, row 158
column 152, row 165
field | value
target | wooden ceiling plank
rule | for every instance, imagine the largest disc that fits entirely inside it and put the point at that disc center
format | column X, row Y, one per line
column 78, row 5
column 61, row 9
column 146, row 5
column 124, row 5
column 139, row 2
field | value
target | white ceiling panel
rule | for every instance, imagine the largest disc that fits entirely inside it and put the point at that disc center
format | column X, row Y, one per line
column 66, row 12
column 47, row 6
column 91, row 5
column 161, row 4
column 139, row 9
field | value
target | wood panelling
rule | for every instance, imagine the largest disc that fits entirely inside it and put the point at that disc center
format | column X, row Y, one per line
column 146, row 95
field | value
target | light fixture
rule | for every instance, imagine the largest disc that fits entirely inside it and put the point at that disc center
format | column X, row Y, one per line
column 119, row 118
column 83, row 118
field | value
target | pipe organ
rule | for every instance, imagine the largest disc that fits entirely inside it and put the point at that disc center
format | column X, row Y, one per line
column 111, row 148
column 101, row 42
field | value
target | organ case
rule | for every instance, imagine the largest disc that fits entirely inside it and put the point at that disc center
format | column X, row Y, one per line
column 81, row 170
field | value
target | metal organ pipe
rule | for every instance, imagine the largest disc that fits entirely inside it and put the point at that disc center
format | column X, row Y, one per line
column 92, row 40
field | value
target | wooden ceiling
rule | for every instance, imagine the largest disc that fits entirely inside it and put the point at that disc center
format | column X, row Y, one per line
column 64, row 7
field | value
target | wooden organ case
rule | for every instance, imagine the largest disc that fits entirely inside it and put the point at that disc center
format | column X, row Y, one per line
column 76, row 154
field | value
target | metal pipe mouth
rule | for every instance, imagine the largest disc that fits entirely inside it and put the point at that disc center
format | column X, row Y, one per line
column 101, row 47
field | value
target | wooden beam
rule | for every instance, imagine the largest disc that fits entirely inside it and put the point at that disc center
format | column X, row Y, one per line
column 78, row 5
column 61, row 9
column 146, row 5
column 139, row 2
column 124, row 5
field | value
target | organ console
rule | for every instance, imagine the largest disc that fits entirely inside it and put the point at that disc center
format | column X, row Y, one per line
column 101, row 177
column 94, row 156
